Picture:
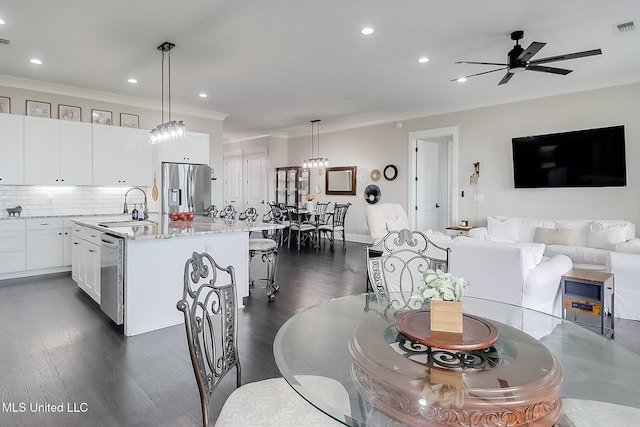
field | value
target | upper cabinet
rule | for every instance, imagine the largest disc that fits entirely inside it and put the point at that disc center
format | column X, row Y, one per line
column 57, row 152
column 193, row 149
column 121, row 156
column 11, row 149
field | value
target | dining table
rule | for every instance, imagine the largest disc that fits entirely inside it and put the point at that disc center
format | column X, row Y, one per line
column 541, row 370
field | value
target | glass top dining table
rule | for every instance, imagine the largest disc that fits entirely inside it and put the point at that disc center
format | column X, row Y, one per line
column 542, row 370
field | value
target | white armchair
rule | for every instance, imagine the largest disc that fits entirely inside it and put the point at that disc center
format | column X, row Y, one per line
column 626, row 270
column 377, row 217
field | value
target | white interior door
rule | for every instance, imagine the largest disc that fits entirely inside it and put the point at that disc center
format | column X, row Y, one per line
column 255, row 181
column 427, row 186
column 233, row 181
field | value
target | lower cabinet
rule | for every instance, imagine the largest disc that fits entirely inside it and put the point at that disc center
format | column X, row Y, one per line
column 85, row 260
column 45, row 243
column 12, row 246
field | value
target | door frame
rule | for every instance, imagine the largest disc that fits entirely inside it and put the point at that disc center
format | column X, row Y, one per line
column 245, row 177
column 452, row 170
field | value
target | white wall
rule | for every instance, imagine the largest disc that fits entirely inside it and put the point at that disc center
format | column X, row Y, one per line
column 485, row 137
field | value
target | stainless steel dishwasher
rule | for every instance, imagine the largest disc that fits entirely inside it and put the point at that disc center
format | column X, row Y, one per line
column 112, row 277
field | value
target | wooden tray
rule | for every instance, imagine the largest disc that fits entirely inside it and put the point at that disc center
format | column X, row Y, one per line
column 478, row 333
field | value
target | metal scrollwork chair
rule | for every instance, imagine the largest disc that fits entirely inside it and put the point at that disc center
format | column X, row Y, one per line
column 229, row 212
column 321, row 215
column 250, row 214
column 210, row 316
column 336, row 223
column 298, row 225
column 397, row 273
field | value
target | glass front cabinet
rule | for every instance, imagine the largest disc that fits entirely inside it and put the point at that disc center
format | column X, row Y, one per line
column 292, row 185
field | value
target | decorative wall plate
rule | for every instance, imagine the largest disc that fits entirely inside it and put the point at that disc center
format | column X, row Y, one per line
column 375, row 175
column 390, row 172
column 372, row 194
column 363, row 175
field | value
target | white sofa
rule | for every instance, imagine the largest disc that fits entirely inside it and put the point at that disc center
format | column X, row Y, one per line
column 587, row 242
column 513, row 273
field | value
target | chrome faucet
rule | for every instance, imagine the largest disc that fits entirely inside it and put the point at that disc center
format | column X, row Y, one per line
column 146, row 206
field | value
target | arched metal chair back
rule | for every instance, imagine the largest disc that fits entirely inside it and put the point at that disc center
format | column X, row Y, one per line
column 210, row 312
column 229, row 212
column 250, row 214
column 336, row 224
column 211, row 211
column 397, row 274
column 339, row 214
column 274, row 216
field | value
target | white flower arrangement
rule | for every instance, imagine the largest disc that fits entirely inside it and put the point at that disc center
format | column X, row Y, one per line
column 439, row 285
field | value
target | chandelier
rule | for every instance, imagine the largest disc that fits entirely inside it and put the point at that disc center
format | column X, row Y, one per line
column 315, row 162
column 170, row 129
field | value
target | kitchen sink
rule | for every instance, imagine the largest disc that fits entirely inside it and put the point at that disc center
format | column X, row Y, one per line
column 125, row 223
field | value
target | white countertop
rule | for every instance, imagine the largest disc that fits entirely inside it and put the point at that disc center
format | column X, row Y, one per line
column 164, row 228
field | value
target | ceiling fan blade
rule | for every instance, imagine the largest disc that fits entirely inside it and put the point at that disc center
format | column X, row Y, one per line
column 506, row 78
column 480, row 63
column 553, row 70
column 479, row 74
column 528, row 53
column 567, row 56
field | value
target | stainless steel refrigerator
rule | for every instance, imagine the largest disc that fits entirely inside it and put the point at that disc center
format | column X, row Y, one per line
column 186, row 187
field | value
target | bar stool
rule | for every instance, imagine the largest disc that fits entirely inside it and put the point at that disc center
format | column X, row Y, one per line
column 268, row 249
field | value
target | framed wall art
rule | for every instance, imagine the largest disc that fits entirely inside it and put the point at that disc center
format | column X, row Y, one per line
column 5, row 105
column 101, row 117
column 129, row 120
column 68, row 112
column 39, row 109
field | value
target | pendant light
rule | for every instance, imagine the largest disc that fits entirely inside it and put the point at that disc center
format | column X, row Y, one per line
column 170, row 129
column 315, row 162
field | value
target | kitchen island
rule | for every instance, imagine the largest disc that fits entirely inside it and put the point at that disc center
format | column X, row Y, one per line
column 154, row 256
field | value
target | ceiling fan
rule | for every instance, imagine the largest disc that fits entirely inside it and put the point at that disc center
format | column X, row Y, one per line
column 519, row 59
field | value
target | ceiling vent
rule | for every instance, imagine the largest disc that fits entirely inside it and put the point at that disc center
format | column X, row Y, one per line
column 4, row 41
column 626, row 27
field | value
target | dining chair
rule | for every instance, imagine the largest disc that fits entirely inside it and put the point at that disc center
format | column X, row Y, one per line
column 335, row 223
column 397, row 273
column 229, row 212
column 250, row 214
column 298, row 225
column 321, row 215
column 210, row 316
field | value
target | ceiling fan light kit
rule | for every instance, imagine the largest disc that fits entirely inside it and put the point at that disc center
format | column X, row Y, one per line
column 519, row 60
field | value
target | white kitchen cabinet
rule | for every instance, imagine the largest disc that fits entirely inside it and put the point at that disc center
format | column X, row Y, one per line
column 57, row 152
column 11, row 149
column 193, row 149
column 121, row 156
column 85, row 267
column 45, row 243
column 12, row 245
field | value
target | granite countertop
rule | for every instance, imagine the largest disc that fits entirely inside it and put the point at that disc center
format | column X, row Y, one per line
column 161, row 227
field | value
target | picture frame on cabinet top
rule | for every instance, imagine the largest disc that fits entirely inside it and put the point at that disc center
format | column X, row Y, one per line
column 69, row 113
column 5, row 105
column 101, row 117
column 39, row 109
column 129, row 120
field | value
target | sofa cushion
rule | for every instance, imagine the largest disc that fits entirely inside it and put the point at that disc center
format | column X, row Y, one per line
column 525, row 227
column 579, row 254
column 580, row 228
column 506, row 230
column 555, row 236
column 607, row 234
column 397, row 224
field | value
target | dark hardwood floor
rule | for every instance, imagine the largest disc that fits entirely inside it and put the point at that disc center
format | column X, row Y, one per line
column 57, row 348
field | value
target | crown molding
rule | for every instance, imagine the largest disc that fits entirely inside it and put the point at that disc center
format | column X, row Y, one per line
column 41, row 86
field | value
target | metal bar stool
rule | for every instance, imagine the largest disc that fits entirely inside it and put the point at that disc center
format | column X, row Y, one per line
column 268, row 249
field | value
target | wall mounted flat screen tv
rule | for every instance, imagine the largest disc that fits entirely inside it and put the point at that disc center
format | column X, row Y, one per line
column 584, row 158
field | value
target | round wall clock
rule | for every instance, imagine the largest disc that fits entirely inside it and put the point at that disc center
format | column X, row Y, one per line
column 390, row 172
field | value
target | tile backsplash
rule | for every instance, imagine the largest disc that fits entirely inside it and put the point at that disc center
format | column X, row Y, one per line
column 71, row 200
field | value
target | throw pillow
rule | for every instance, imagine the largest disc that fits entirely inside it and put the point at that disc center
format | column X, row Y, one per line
column 504, row 230
column 606, row 236
column 396, row 224
column 555, row 236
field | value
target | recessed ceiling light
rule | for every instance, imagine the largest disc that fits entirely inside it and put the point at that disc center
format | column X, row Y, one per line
column 132, row 81
column 462, row 80
column 202, row 95
column 35, row 61
column 366, row 31
column 423, row 60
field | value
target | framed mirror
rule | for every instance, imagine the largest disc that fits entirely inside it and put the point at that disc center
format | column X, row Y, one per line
column 341, row 181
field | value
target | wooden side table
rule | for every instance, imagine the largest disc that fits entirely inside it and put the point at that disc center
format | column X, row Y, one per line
column 458, row 230
column 583, row 291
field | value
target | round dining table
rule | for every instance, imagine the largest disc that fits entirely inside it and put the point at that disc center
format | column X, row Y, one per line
column 541, row 370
